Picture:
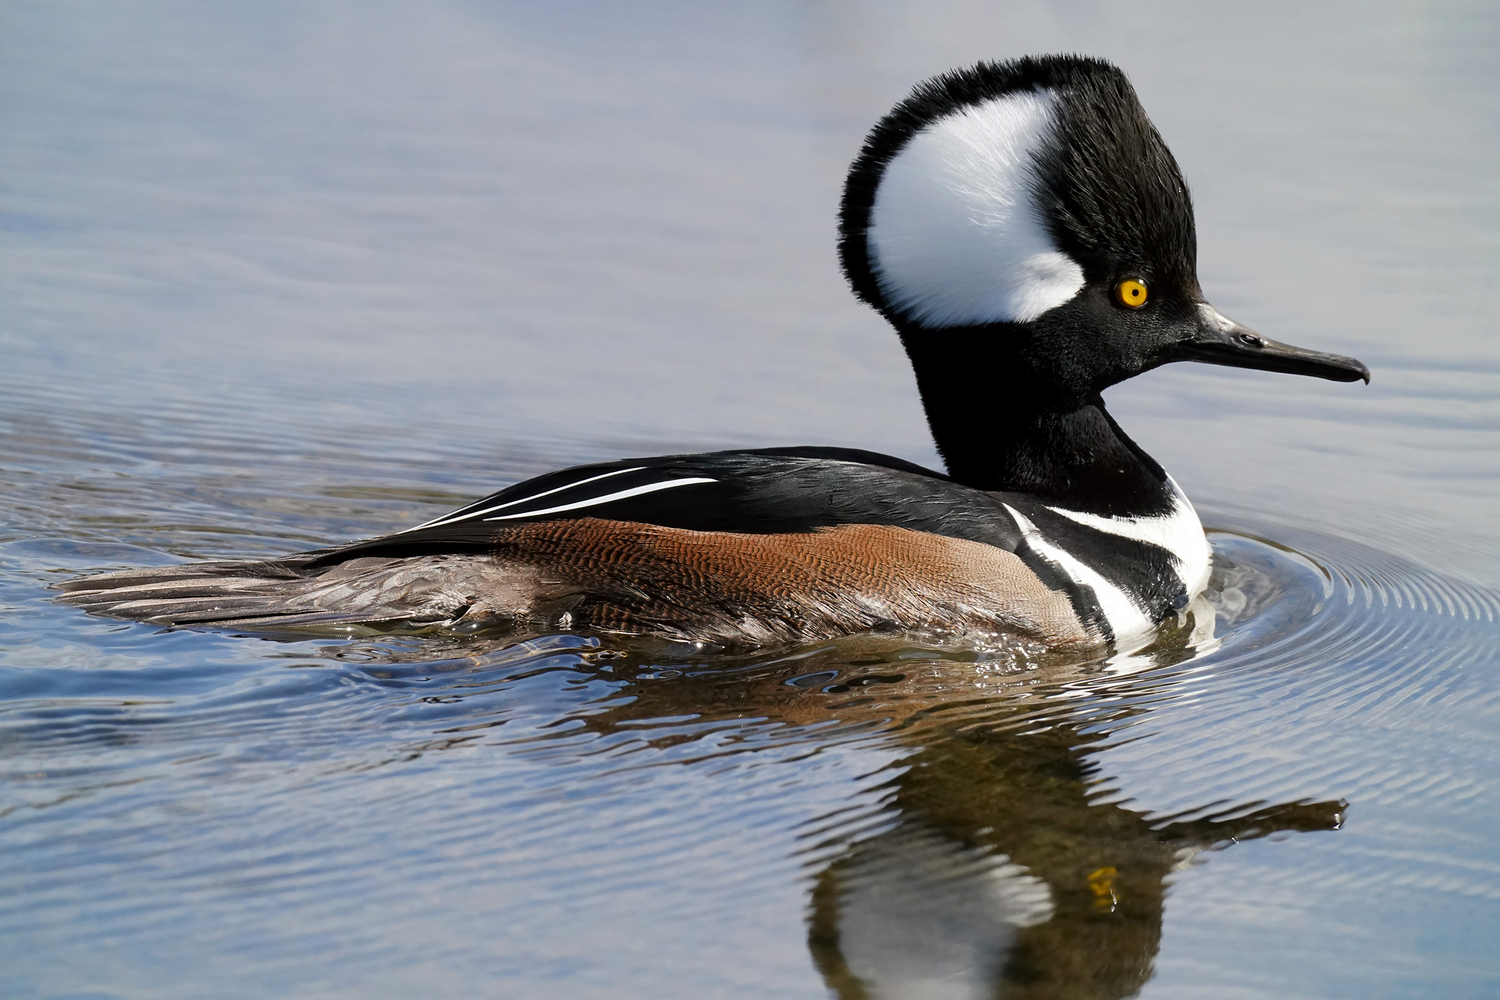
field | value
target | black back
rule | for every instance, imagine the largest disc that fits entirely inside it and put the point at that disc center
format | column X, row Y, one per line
column 763, row 491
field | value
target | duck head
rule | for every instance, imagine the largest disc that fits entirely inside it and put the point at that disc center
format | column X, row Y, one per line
column 1028, row 233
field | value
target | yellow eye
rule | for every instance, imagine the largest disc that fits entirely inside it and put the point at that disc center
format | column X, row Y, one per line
column 1131, row 292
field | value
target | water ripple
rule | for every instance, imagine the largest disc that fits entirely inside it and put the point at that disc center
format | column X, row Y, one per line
column 145, row 775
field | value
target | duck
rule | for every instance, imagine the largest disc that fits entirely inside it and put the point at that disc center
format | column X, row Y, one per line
column 1026, row 232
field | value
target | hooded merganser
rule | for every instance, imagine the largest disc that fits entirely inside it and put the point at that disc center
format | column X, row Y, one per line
column 1026, row 231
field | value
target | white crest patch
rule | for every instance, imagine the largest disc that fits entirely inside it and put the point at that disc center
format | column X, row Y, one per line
column 954, row 236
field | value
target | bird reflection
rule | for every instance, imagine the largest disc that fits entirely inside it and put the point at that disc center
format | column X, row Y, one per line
column 999, row 870
column 1001, row 878
column 914, row 913
column 999, row 873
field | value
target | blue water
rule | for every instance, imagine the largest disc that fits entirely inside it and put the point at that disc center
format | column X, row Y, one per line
column 274, row 276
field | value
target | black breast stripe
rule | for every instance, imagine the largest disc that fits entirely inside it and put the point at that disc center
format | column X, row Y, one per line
column 1081, row 596
column 1142, row 570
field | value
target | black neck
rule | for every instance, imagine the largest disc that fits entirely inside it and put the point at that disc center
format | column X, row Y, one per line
column 1026, row 436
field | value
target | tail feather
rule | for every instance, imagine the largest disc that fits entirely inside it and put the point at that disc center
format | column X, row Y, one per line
column 299, row 591
column 290, row 568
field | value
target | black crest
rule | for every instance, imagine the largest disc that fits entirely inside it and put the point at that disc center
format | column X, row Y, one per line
column 1110, row 192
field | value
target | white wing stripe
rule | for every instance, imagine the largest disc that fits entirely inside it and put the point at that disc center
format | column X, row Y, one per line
column 623, row 494
column 462, row 515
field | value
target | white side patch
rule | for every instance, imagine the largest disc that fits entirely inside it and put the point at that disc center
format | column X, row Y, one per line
column 954, row 236
column 607, row 498
column 1124, row 617
column 1180, row 533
